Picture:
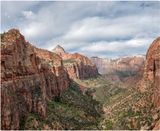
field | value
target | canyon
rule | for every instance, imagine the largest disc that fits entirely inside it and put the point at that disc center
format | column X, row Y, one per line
column 29, row 78
column 43, row 89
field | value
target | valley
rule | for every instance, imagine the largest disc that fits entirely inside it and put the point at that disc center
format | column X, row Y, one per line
column 55, row 89
column 119, row 104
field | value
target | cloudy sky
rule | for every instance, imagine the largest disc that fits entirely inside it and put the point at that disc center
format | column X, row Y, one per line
column 104, row 29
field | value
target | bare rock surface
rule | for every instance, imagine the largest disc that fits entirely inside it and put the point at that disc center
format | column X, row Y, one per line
column 29, row 78
column 77, row 65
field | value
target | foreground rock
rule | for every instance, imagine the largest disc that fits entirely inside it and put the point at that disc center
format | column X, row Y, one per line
column 152, row 76
column 150, row 84
column 77, row 65
column 29, row 78
column 152, row 70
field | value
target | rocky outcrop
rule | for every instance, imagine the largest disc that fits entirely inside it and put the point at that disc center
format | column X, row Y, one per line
column 59, row 50
column 29, row 78
column 150, row 84
column 152, row 70
column 77, row 65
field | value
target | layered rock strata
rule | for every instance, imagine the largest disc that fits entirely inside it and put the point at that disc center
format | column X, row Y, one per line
column 109, row 66
column 152, row 70
column 77, row 65
column 29, row 78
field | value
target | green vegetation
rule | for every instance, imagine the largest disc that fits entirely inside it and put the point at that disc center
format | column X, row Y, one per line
column 105, row 91
column 125, row 73
column 108, row 125
column 76, row 109
column 68, row 61
column 31, row 121
column 72, row 110
column 22, row 123
column 121, row 105
column 36, row 91
column 2, row 35
column 134, row 119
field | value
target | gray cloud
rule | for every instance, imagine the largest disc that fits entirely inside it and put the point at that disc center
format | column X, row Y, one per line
column 107, row 29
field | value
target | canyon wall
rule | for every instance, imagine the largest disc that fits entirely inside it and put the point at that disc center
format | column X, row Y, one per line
column 126, row 70
column 152, row 70
column 77, row 65
column 150, row 84
column 109, row 66
column 29, row 78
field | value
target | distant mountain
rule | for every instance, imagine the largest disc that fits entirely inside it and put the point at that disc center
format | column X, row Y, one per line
column 128, row 70
column 59, row 50
column 108, row 66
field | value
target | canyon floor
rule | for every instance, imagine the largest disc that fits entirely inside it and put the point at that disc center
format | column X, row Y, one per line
column 122, row 106
column 95, row 103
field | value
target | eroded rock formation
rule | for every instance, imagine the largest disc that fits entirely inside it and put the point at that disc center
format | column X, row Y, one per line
column 150, row 84
column 152, row 70
column 108, row 66
column 77, row 65
column 59, row 50
column 29, row 78
column 126, row 70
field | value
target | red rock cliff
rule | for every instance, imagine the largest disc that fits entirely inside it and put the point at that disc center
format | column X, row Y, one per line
column 29, row 78
column 151, row 78
column 77, row 65
column 152, row 70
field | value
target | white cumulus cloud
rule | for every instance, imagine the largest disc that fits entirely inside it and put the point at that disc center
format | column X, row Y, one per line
column 94, row 28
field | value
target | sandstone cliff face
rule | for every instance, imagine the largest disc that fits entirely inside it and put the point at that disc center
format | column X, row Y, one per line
column 77, row 65
column 152, row 70
column 151, row 80
column 126, row 70
column 29, row 78
column 59, row 50
column 107, row 66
